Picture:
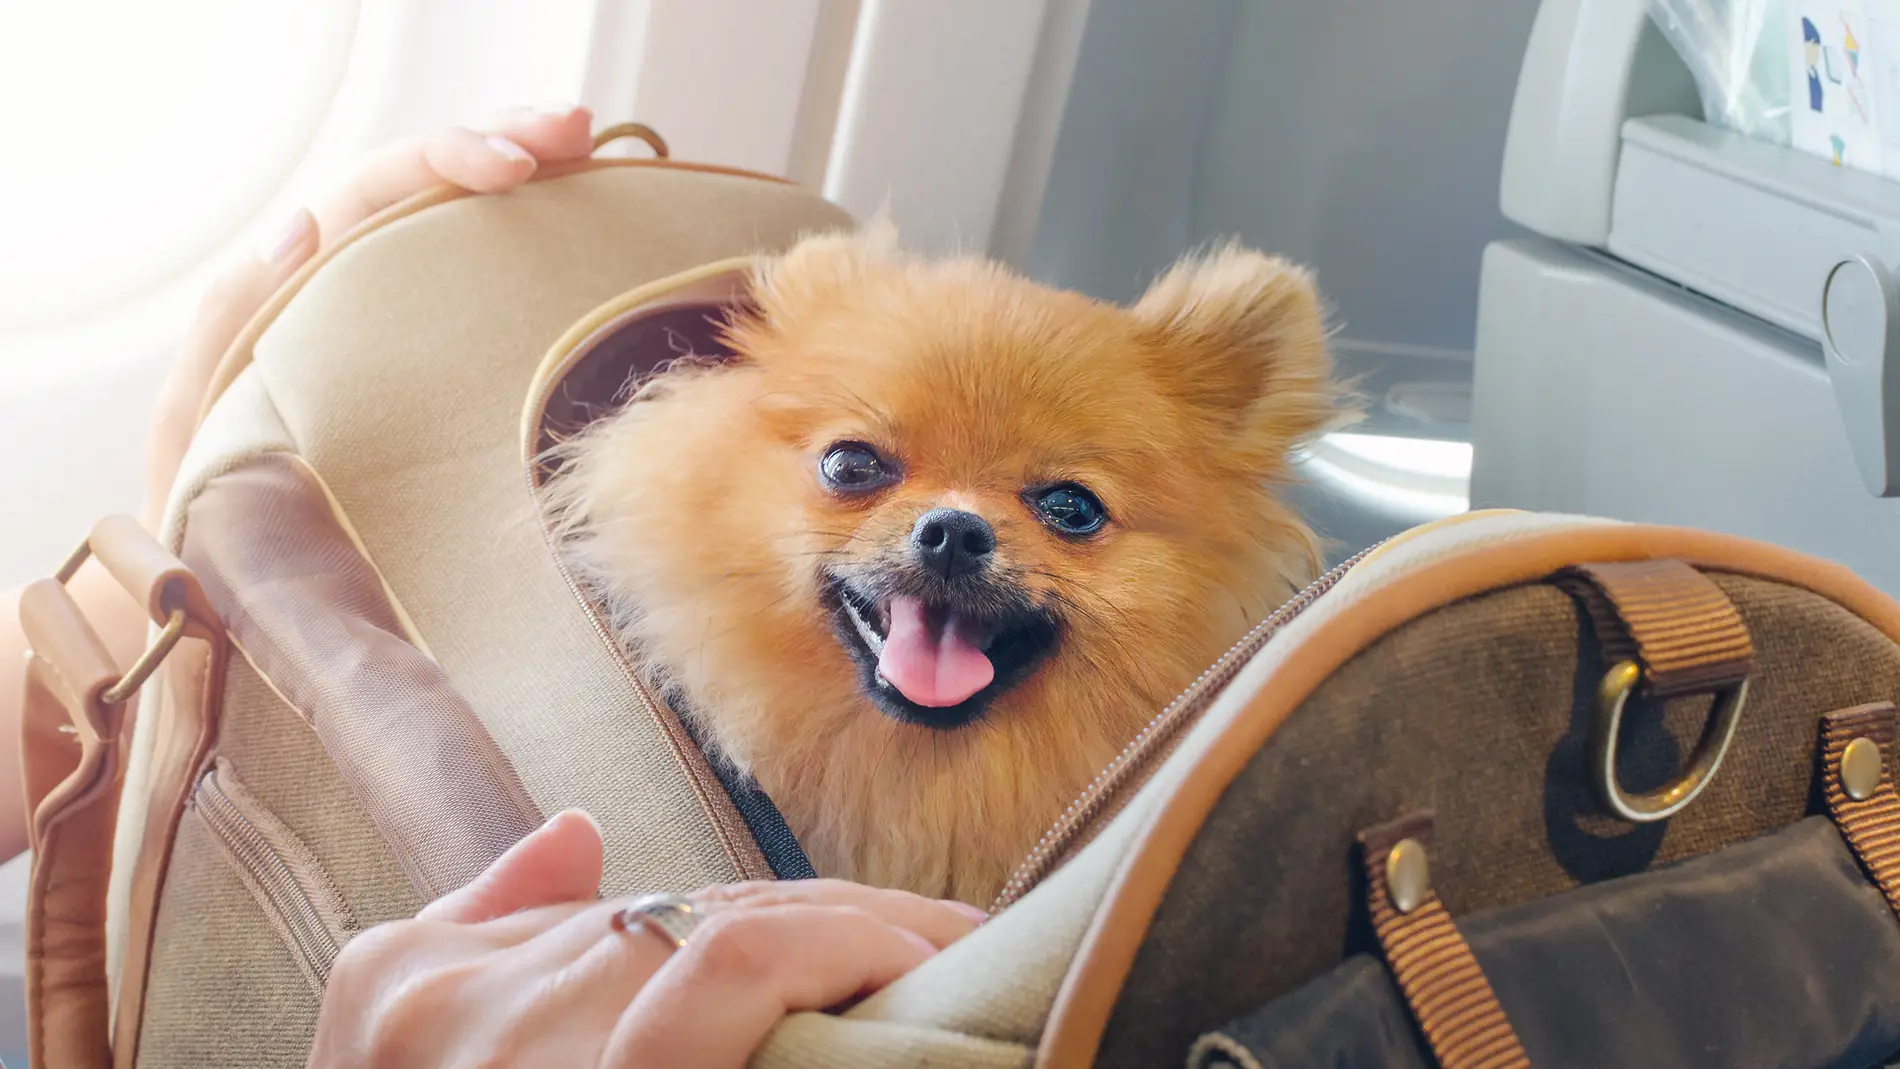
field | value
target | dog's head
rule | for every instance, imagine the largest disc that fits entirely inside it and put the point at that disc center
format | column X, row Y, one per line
column 932, row 494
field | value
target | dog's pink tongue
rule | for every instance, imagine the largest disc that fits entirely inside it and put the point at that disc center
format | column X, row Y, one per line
column 930, row 658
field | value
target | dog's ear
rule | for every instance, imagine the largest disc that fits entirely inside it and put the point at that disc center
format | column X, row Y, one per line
column 821, row 266
column 1244, row 335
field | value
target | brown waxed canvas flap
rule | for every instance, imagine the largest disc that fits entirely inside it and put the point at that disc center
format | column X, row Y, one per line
column 1773, row 952
column 1464, row 682
column 313, row 616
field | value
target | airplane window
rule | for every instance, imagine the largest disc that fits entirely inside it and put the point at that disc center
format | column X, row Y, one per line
column 155, row 133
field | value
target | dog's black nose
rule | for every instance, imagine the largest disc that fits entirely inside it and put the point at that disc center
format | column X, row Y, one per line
column 952, row 542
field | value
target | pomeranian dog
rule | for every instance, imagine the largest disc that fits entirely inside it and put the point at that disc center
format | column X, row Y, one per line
column 939, row 541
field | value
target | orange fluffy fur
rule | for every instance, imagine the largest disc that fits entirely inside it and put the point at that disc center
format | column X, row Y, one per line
column 698, row 512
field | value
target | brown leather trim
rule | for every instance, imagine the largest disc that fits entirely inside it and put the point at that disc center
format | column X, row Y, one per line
column 1095, row 977
column 186, row 728
column 1870, row 825
column 140, row 563
column 1670, row 619
column 238, row 356
column 312, row 614
column 66, row 994
column 1443, row 984
column 72, row 661
column 72, row 751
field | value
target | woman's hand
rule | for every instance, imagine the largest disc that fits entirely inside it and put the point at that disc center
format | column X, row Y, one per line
column 487, row 161
column 524, row 967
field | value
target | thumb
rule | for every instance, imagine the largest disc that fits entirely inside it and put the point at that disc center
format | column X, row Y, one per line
column 238, row 294
column 556, row 863
column 230, row 302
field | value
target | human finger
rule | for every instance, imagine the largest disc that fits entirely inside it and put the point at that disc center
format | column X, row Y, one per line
column 712, row 1003
column 939, row 921
column 559, row 862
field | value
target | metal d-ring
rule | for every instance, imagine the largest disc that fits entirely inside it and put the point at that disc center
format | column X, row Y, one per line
column 1612, row 694
column 154, row 655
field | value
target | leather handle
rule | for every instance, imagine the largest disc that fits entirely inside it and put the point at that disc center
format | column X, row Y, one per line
column 638, row 130
column 72, row 715
column 76, row 669
column 148, row 570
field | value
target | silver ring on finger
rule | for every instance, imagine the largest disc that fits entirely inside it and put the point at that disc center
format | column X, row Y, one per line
column 671, row 917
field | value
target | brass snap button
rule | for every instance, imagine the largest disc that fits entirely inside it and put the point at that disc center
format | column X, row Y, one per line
column 1408, row 876
column 1860, row 769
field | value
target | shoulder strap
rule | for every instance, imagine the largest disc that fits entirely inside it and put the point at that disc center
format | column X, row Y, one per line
column 72, row 722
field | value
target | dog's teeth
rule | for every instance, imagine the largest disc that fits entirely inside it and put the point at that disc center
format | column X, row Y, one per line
column 871, row 638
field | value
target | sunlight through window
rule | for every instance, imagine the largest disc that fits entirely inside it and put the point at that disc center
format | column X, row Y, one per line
column 142, row 136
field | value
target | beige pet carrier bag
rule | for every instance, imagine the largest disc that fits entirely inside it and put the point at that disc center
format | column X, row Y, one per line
column 369, row 675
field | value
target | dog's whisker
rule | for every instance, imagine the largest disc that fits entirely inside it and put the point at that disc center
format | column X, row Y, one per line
column 1066, row 582
column 743, row 621
column 1246, row 614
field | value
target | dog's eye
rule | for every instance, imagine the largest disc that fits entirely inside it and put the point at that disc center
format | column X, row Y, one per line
column 854, row 466
column 1070, row 509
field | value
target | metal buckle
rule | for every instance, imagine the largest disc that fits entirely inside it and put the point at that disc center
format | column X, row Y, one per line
column 154, row 655
column 1612, row 694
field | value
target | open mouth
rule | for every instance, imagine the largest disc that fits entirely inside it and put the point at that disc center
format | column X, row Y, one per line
column 935, row 662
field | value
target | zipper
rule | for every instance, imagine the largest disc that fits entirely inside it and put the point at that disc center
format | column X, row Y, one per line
column 1129, row 769
column 710, row 794
column 256, row 843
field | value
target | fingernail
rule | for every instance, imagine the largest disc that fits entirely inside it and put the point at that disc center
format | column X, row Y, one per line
column 291, row 234
column 509, row 150
column 975, row 914
column 556, row 111
column 578, row 814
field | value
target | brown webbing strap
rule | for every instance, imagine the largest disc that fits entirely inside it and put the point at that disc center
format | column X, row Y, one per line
column 1448, row 994
column 72, row 715
column 73, row 782
column 1669, row 618
column 1871, row 822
